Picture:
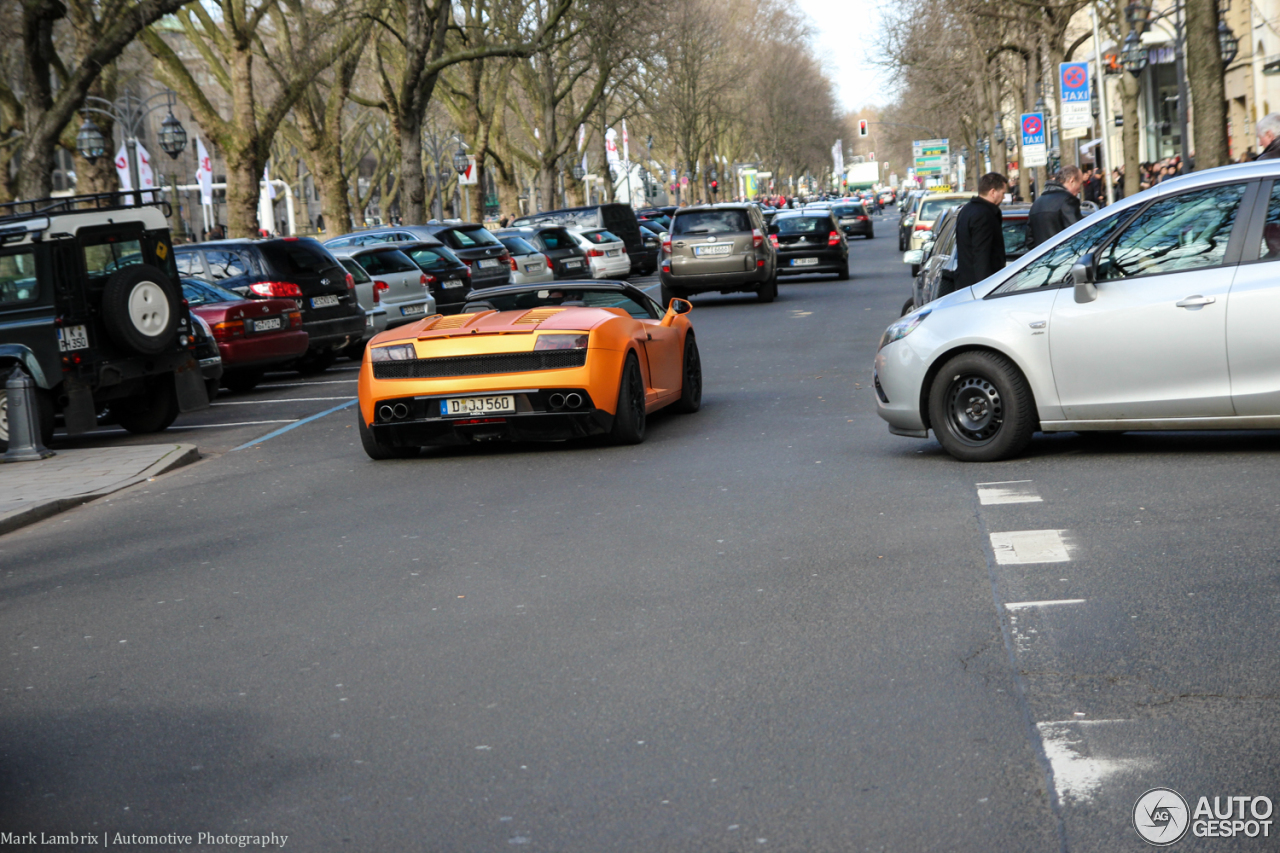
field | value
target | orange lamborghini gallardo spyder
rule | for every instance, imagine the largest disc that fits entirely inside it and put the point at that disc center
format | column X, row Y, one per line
column 541, row 362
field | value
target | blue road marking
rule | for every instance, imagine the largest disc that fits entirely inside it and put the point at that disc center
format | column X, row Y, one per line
column 295, row 424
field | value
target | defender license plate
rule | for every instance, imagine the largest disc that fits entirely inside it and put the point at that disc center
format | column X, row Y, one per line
column 456, row 406
column 73, row 338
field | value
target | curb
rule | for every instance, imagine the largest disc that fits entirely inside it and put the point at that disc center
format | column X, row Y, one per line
column 180, row 455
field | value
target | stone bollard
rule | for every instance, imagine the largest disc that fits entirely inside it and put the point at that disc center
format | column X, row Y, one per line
column 24, row 420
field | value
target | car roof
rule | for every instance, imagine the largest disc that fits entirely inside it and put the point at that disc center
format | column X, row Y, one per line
column 352, row 251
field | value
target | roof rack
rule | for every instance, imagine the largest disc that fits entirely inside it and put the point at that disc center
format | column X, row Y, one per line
column 120, row 200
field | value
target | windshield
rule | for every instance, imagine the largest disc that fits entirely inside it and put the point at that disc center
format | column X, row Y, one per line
column 710, row 222
column 933, row 209
column 637, row 306
column 468, row 238
column 199, row 292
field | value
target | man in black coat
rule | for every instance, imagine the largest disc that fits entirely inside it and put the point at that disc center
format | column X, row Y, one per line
column 980, row 233
column 1058, row 207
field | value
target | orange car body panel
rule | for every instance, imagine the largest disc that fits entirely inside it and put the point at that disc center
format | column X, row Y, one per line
column 614, row 334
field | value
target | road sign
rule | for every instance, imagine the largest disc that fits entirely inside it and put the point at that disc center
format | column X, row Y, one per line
column 1075, row 85
column 468, row 176
column 932, row 156
column 1034, row 151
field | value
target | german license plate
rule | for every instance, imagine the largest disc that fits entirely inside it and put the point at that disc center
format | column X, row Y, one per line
column 456, row 406
column 266, row 325
column 721, row 249
column 324, row 301
column 451, row 283
column 73, row 338
column 577, row 264
column 488, row 263
column 611, row 253
column 409, row 310
column 804, row 262
column 532, row 267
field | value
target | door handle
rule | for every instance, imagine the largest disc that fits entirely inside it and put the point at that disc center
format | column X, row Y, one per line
column 1196, row 301
column 648, row 336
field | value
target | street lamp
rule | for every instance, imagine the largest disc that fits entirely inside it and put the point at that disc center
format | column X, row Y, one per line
column 578, row 172
column 1133, row 54
column 436, row 146
column 460, row 161
column 1227, row 43
column 130, row 111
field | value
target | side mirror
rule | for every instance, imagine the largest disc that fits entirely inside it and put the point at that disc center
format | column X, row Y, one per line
column 915, row 257
column 675, row 309
column 1082, row 278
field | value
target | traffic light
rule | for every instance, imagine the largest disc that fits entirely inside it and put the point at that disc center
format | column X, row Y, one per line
column 715, row 186
column 862, row 127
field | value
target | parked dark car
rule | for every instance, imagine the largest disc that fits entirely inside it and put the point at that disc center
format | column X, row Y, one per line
column 251, row 335
column 286, row 268
column 568, row 258
column 448, row 278
column 619, row 219
column 810, row 242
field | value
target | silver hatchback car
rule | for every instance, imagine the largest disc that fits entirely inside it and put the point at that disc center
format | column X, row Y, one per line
column 400, row 285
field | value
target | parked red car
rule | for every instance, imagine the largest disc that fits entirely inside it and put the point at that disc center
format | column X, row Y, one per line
column 252, row 334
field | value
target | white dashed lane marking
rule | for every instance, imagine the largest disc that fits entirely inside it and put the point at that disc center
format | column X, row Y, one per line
column 1012, row 492
column 1024, row 605
column 1029, row 546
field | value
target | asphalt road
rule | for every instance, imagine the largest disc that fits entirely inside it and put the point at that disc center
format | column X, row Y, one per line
column 772, row 626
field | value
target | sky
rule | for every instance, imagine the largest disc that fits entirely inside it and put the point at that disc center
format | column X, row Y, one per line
column 844, row 36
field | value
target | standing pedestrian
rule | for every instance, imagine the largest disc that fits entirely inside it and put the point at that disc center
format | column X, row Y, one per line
column 1093, row 190
column 1058, row 207
column 980, row 233
column 1269, row 137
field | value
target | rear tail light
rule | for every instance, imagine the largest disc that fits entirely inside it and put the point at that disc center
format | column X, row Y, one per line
column 773, row 238
column 505, row 257
column 378, row 287
column 467, row 262
column 757, row 239
column 594, row 253
column 278, row 289
column 923, row 227
column 514, row 266
column 666, row 245
column 833, row 239
column 862, row 218
column 422, row 280
column 295, row 319
column 351, row 282
column 550, row 265
column 428, row 280
column 230, row 329
column 624, row 250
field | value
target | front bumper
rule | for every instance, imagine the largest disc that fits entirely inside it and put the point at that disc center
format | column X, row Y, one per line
column 897, row 381
column 535, row 419
column 729, row 282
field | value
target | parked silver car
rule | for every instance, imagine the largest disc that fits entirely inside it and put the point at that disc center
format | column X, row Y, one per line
column 528, row 265
column 399, row 284
column 1156, row 313
column 375, row 316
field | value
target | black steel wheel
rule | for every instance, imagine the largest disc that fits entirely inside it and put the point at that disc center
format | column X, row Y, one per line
column 981, row 408
column 691, row 386
column 629, row 419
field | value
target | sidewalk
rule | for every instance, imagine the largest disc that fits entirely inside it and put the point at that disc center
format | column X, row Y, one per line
column 32, row 491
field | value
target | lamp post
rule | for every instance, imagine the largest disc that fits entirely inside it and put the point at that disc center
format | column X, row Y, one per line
column 579, row 174
column 130, row 111
column 436, row 146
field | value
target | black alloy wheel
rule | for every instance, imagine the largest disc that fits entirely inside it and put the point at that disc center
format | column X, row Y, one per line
column 629, row 419
column 981, row 408
column 691, row 386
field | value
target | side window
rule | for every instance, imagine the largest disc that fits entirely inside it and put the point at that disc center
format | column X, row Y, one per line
column 189, row 263
column 224, row 264
column 103, row 259
column 1051, row 268
column 1185, row 232
column 1270, row 248
column 18, row 278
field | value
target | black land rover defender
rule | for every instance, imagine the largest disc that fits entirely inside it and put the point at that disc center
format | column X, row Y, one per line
column 90, row 307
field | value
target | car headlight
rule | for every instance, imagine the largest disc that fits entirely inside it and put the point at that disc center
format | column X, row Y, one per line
column 396, row 352
column 902, row 328
column 546, row 342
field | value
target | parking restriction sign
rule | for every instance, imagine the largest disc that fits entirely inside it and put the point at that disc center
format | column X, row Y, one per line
column 1034, row 150
column 1074, row 85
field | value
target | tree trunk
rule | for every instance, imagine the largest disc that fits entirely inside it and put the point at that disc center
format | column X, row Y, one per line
column 243, row 175
column 1205, row 80
column 412, row 191
column 1129, row 88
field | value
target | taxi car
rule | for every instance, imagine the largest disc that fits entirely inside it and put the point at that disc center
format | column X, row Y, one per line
column 543, row 362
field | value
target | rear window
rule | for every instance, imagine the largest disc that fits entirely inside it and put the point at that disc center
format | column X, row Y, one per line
column 386, row 262
column 18, row 277
column 466, row 238
column 803, row 224
column 849, row 210
column 357, row 271
column 296, row 257
column 933, row 209
column 711, row 222
column 223, row 264
column 517, row 245
column 432, row 258
column 599, row 237
column 557, row 238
